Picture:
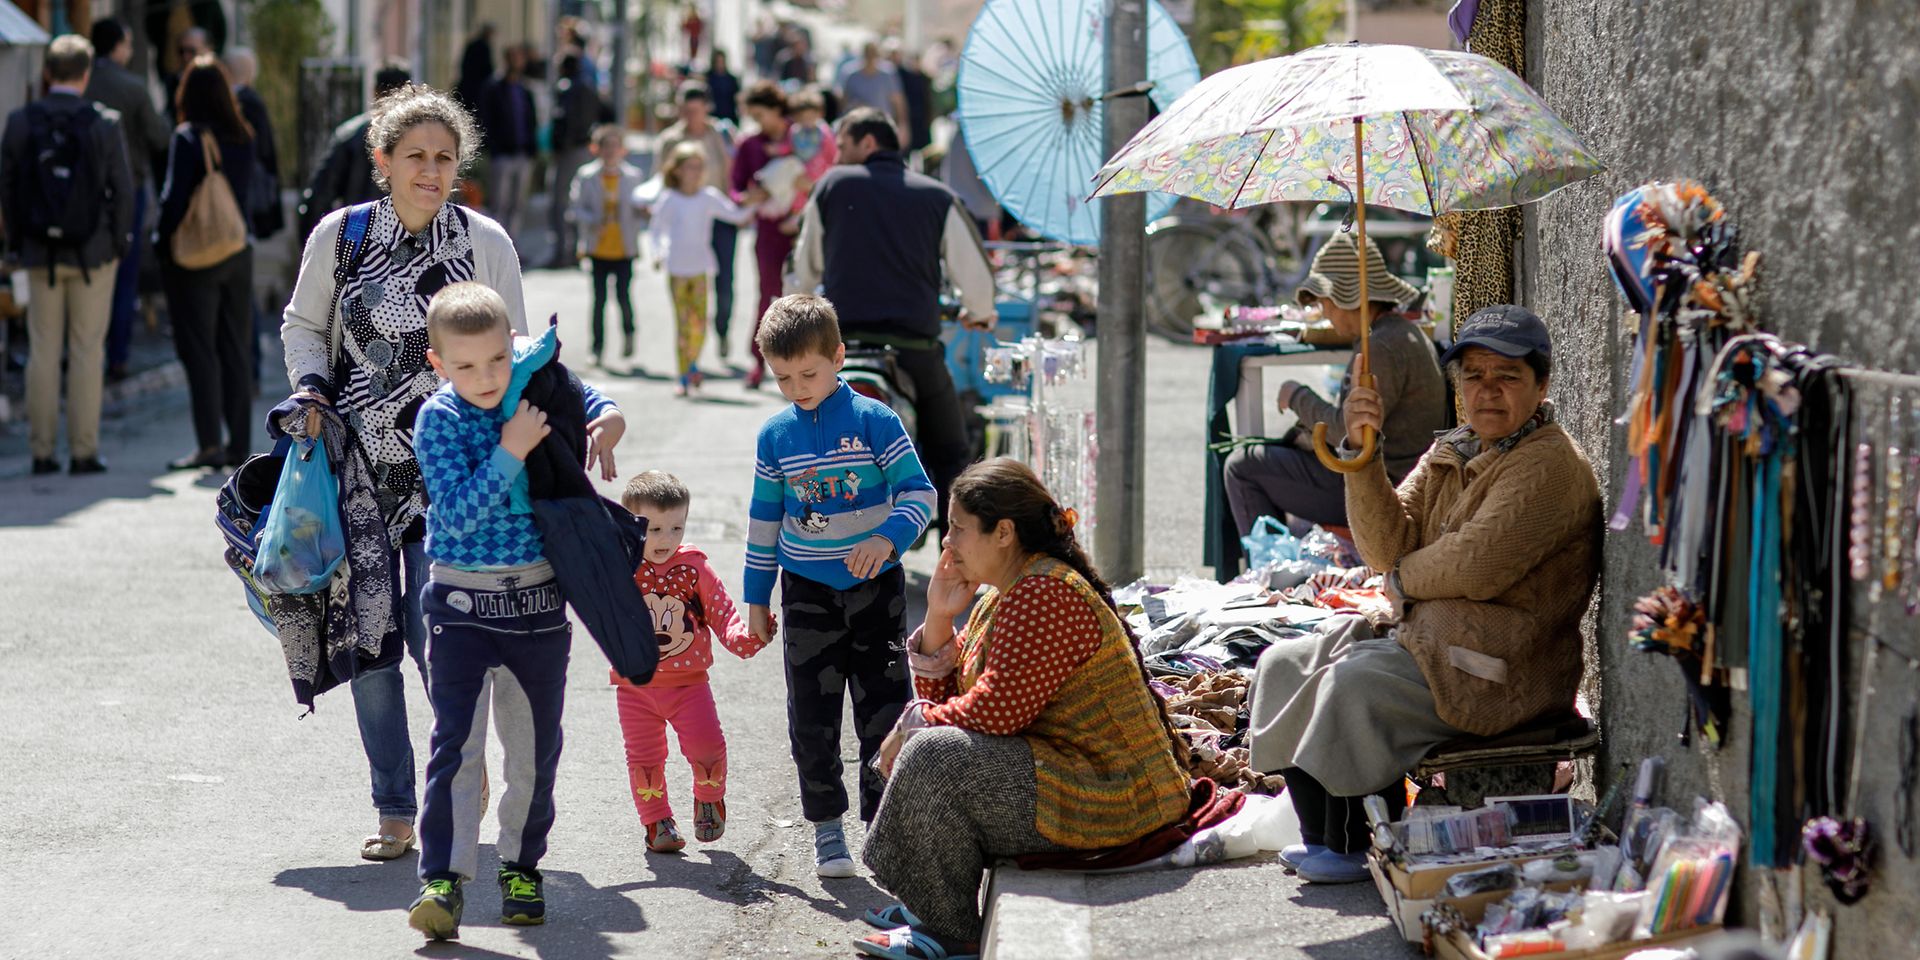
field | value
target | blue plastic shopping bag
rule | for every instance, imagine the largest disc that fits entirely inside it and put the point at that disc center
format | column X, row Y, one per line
column 303, row 541
column 1269, row 542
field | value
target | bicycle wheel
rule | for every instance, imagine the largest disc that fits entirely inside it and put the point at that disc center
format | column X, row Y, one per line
column 1191, row 266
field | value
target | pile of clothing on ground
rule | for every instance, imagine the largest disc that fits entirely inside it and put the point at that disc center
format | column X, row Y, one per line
column 1201, row 640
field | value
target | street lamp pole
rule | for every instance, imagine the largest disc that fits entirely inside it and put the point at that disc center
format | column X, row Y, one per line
column 1120, row 528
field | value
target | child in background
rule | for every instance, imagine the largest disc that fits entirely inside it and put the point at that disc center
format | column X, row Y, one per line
column 493, row 608
column 608, row 215
column 681, row 238
column 813, row 145
column 838, row 497
column 690, row 606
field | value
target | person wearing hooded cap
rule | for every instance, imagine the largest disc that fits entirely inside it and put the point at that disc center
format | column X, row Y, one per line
column 1284, row 480
column 1491, row 547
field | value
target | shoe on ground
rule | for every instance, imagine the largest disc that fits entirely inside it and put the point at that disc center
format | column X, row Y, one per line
column 722, row 343
column 81, row 465
column 663, row 836
column 45, row 465
column 709, row 820
column 210, row 457
column 1290, row 856
column 1330, row 867
column 626, row 346
column 521, row 900
column 436, row 911
column 753, row 379
column 830, row 856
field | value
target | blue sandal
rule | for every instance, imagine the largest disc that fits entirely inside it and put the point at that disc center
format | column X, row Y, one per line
column 906, row 943
column 891, row 916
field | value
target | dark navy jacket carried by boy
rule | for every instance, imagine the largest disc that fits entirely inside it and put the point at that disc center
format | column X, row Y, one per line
column 491, row 510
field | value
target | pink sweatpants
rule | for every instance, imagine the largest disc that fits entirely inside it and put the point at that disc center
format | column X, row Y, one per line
column 644, row 715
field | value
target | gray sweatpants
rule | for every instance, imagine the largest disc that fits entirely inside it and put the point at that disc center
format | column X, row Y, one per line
column 957, row 801
column 1283, row 482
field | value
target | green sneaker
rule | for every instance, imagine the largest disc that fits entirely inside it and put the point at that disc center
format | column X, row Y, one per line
column 436, row 911
column 520, row 901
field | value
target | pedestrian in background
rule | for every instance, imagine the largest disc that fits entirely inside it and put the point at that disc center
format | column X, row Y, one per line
column 577, row 111
column 112, row 85
column 766, row 106
column 345, row 175
column 265, row 216
column 211, row 306
column 190, row 43
column 795, row 64
column 681, row 241
column 723, row 89
column 66, row 200
column 716, row 137
column 507, row 113
column 917, row 89
column 607, row 217
column 692, row 607
column 476, row 69
column 874, row 85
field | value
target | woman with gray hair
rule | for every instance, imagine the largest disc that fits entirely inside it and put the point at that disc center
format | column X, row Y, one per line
column 356, row 344
column 1491, row 547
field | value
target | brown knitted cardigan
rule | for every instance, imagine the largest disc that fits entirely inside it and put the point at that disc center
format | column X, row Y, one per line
column 1498, row 558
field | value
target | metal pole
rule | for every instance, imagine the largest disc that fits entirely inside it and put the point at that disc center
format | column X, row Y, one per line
column 1120, row 528
column 617, row 85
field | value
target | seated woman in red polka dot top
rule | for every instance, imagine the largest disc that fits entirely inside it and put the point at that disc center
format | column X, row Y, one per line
column 1035, row 731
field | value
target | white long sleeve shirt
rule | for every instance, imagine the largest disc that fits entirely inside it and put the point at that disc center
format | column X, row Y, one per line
column 681, row 236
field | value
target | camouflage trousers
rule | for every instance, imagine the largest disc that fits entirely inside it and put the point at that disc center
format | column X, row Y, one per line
column 839, row 642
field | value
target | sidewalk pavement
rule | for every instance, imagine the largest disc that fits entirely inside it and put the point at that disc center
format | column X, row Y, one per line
column 1249, row 908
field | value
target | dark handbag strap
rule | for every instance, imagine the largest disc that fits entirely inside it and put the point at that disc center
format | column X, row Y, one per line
column 354, row 229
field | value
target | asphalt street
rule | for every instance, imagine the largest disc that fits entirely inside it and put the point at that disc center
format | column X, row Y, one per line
column 164, row 797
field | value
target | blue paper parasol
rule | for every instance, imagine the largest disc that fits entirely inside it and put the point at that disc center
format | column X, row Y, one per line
column 1031, row 82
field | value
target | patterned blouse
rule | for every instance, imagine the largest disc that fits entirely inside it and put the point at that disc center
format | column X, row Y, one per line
column 382, row 376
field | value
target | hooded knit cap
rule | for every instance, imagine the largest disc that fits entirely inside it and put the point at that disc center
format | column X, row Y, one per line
column 1336, row 276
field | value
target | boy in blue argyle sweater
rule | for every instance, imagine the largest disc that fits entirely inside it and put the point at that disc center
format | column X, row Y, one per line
column 838, row 497
column 496, row 625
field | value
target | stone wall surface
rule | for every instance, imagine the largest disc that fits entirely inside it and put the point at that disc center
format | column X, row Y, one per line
column 1803, row 118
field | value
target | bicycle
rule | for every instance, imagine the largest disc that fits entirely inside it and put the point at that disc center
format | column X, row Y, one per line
column 1200, row 263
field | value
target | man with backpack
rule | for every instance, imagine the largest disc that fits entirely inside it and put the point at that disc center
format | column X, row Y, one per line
column 66, row 195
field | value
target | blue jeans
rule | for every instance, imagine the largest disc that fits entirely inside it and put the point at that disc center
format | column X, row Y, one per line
column 380, row 702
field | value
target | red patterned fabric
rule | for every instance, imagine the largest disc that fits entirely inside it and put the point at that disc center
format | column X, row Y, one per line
column 690, row 606
column 1042, row 631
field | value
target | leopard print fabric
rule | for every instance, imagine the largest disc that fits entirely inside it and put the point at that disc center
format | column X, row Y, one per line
column 1484, row 241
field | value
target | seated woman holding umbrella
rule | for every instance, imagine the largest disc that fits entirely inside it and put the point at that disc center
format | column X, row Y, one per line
column 1036, row 731
column 1491, row 548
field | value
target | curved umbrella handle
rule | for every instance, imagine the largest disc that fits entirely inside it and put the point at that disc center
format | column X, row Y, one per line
column 1327, row 458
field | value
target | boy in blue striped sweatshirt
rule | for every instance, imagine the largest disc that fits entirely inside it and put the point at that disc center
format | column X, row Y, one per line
column 496, row 623
column 838, row 497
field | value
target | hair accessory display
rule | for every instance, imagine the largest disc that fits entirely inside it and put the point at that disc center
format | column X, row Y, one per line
column 1842, row 849
column 1890, row 533
column 1860, row 551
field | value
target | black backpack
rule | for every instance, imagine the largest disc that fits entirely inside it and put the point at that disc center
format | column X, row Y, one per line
column 63, row 191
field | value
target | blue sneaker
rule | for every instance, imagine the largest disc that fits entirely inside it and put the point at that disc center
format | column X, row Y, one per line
column 1330, row 867
column 1291, row 856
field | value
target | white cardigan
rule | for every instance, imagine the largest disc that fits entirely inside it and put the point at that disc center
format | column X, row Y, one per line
column 303, row 327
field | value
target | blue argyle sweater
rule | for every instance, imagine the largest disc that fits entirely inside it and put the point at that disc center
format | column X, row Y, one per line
column 472, row 522
column 826, row 480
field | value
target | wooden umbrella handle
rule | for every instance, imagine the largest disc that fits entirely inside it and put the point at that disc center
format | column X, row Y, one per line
column 1363, row 372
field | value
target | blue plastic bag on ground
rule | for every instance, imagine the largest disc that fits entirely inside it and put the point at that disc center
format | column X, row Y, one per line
column 1269, row 542
column 303, row 541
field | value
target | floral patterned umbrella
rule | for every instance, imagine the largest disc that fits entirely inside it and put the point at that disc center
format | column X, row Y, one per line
column 1438, row 130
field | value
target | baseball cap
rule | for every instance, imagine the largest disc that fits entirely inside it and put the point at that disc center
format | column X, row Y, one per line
column 1507, row 330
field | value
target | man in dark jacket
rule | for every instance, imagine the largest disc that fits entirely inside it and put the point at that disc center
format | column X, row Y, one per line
column 873, row 237
column 266, row 218
column 345, row 175
column 917, row 88
column 63, row 160
column 506, row 113
column 576, row 111
column 113, row 86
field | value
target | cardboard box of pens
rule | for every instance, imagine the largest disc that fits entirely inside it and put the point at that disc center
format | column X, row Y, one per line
column 1540, row 877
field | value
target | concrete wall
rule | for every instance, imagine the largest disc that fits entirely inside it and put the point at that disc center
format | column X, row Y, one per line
column 1803, row 118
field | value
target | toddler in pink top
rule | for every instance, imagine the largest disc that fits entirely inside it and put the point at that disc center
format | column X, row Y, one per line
column 690, row 606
